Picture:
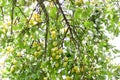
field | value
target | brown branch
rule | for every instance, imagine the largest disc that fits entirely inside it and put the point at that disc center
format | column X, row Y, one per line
column 72, row 2
column 32, row 44
column 2, row 12
column 69, row 28
column 12, row 13
column 47, row 23
column 63, row 14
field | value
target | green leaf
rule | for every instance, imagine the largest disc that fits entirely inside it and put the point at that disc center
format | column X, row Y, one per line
column 77, row 14
column 53, row 12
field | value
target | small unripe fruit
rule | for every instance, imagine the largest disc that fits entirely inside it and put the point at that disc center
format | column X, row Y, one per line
column 8, row 48
column 35, row 44
column 97, row 71
column 77, row 71
column 19, row 54
column 32, row 22
column 45, row 78
column 72, row 70
column 68, row 78
column 65, row 64
column 75, row 68
column 12, row 68
column 7, row 52
column 57, row 65
column 81, row 69
column 55, row 43
column 54, row 49
column 12, row 49
column 38, row 48
column 79, row 2
column 3, row 30
column 66, row 59
column 53, row 54
column 36, row 54
column 57, row 57
column 2, row 71
column 14, row 62
column 9, row 23
column 60, row 51
column 53, row 34
column 38, row 19
column 90, row 72
column 4, row 26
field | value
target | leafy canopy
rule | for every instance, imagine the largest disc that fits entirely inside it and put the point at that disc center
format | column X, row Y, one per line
column 57, row 40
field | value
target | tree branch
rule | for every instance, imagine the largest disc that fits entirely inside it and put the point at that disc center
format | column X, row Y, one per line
column 47, row 22
column 12, row 13
column 21, row 11
column 68, row 24
column 2, row 12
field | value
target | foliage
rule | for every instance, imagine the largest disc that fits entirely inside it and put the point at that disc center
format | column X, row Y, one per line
column 58, row 40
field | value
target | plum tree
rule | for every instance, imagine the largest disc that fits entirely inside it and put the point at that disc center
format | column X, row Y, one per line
column 58, row 40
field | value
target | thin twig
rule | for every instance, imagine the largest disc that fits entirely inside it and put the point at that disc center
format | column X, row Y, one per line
column 27, row 29
column 32, row 13
column 21, row 11
column 32, row 44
